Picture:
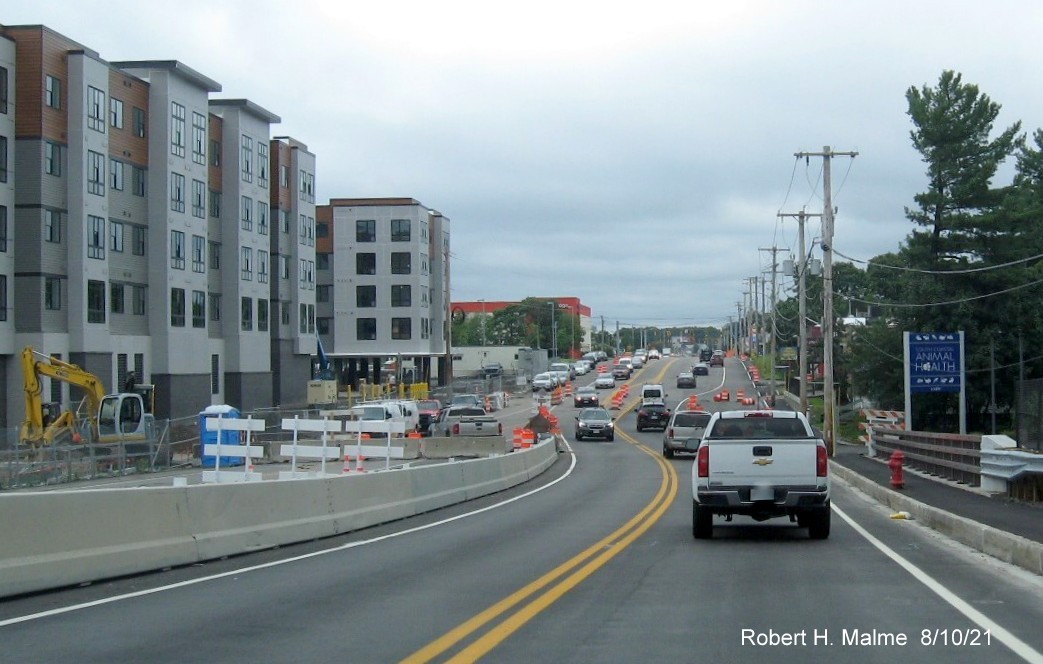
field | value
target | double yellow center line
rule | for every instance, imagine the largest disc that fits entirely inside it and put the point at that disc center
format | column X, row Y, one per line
column 549, row 588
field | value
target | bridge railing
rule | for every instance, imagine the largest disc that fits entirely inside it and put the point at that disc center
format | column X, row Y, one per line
column 955, row 457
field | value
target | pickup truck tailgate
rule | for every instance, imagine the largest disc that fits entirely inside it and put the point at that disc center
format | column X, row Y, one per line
column 779, row 463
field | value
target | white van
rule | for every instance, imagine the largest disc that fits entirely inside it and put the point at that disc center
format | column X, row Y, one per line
column 652, row 392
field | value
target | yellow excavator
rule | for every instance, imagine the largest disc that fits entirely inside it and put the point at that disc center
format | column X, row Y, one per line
column 126, row 416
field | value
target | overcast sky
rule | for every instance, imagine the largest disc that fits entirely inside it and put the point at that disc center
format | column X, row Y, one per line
column 634, row 155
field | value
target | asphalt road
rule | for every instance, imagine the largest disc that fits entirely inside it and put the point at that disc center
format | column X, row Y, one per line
column 593, row 562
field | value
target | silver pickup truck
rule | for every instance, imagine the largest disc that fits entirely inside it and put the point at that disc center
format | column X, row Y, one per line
column 467, row 421
column 762, row 464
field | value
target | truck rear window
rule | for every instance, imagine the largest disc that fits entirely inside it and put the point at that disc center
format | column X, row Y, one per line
column 763, row 428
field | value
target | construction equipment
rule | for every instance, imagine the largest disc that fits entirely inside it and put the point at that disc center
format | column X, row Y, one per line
column 108, row 418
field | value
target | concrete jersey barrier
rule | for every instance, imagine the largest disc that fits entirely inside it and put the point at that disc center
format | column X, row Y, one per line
column 71, row 537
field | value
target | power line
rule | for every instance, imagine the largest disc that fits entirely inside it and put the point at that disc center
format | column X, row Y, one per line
column 984, row 268
column 941, row 304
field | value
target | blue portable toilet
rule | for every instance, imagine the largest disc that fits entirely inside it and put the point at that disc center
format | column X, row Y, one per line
column 227, row 437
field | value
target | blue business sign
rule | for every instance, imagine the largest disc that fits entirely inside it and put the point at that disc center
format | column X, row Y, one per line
column 934, row 362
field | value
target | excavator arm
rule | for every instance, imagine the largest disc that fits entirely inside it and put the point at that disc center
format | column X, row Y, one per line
column 34, row 365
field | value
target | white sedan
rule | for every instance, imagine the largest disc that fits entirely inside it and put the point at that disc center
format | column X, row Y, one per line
column 605, row 381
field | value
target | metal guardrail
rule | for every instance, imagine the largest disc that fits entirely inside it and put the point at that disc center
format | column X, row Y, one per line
column 953, row 456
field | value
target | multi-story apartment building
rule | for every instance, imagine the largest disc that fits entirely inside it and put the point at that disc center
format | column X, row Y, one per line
column 145, row 236
column 383, row 287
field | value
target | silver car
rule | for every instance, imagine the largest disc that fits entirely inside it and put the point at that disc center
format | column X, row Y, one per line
column 684, row 424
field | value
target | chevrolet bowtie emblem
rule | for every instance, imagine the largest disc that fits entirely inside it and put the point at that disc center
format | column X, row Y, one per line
column 762, row 462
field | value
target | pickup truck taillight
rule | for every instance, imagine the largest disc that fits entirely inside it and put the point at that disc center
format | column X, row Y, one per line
column 822, row 462
column 456, row 429
column 670, row 432
column 702, row 461
column 499, row 428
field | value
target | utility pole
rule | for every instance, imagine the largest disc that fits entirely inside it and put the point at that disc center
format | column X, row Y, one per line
column 829, row 415
column 774, row 299
column 802, row 307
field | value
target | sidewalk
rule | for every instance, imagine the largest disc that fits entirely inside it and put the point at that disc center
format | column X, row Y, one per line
column 1017, row 518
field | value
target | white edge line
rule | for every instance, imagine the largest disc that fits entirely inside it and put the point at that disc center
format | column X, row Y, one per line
column 1019, row 647
column 254, row 568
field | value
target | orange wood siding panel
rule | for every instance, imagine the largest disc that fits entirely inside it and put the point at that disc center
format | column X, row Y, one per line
column 123, row 144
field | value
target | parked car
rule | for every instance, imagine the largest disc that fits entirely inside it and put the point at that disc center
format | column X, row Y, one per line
column 605, row 381
column 585, row 396
column 701, row 369
column 683, row 425
column 595, row 423
column 652, row 414
column 493, row 369
column 685, row 379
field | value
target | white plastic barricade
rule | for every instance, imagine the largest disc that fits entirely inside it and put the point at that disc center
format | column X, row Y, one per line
column 295, row 451
column 246, row 452
column 386, row 427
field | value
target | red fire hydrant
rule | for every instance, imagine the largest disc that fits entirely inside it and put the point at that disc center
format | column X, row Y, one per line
column 895, row 464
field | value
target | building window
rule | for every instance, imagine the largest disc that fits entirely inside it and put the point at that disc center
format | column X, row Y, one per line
column 52, row 293
column 199, row 199
column 215, row 152
column 198, row 138
column 246, row 272
column 322, row 293
column 137, row 237
column 3, row 228
column 198, row 253
column 401, row 328
column 215, row 374
column 215, row 307
column 246, row 158
column 246, row 214
column 322, row 261
column 307, row 188
column 284, row 176
column 116, row 297
column 215, row 255
column 52, row 158
column 116, row 112
column 284, row 268
column 365, row 263
column 247, row 317
column 262, row 268
column 262, row 218
column 306, row 275
column 95, row 173
column 95, row 237
column 138, row 302
column 177, row 307
column 3, row 297
column 284, row 313
column 95, row 301
column 52, row 226
column 322, row 325
column 138, row 185
column 215, row 203
column 116, row 174
column 95, row 109
column 139, row 122
column 366, row 329
column 365, row 230
column 116, row 236
column 400, row 230
column 365, row 296
column 177, row 129
column 401, row 296
column 401, row 262
column 262, row 315
column 4, row 92
column 198, row 309
column 52, row 92
column 177, row 192
column 285, row 220
column 322, row 229
column 177, row 250
column 3, row 159
column 262, row 172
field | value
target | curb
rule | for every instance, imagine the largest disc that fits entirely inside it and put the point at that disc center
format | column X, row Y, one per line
column 999, row 544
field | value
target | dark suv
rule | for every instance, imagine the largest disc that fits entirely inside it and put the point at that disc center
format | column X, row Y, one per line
column 652, row 416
